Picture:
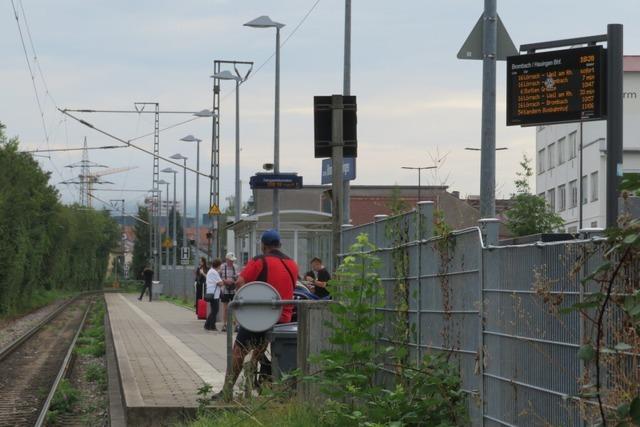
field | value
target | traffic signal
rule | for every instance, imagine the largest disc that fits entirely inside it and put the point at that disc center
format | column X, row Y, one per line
column 322, row 114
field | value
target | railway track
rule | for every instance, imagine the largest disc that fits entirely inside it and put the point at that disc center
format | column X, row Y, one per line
column 33, row 365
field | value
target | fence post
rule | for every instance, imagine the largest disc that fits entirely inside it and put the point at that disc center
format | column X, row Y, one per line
column 424, row 225
column 489, row 231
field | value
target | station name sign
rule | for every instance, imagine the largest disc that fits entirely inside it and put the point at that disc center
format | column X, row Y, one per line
column 271, row 181
column 557, row 86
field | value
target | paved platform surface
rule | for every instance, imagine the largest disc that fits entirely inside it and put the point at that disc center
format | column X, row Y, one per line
column 163, row 353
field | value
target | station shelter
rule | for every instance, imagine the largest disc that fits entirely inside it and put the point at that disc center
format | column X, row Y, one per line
column 305, row 234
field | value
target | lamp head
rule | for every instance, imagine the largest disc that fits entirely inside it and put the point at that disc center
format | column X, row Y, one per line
column 204, row 113
column 190, row 138
column 169, row 170
column 178, row 156
column 226, row 75
column 263, row 22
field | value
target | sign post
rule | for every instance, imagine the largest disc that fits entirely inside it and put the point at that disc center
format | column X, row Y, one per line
column 615, row 75
column 337, row 187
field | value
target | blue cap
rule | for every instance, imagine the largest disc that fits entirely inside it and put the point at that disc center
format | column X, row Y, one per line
column 271, row 238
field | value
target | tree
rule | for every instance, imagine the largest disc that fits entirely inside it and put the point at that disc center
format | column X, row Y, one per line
column 530, row 214
column 46, row 245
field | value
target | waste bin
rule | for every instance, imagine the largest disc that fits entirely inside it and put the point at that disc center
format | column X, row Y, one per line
column 284, row 348
column 156, row 289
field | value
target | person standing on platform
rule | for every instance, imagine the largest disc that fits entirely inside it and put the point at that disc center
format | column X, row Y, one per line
column 201, row 279
column 229, row 275
column 212, row 294
column 147, row 277
column 318, row 277
column 281, row 272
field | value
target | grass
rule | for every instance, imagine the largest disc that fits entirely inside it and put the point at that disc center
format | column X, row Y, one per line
column 177, row 301
column 91, row 340
column 64, row 399
column 37, row 300
column 276, row 414
column 96, row 373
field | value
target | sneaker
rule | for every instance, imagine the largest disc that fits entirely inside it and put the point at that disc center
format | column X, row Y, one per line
column 224, row 328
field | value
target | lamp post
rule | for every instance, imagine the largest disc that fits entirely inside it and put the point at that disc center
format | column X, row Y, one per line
column 191, row 138
column 174, row 240
column 266, row 22
column 227, row 75
column 163, row 182
column 179, row 156
column 419, row 169
column 153, row 229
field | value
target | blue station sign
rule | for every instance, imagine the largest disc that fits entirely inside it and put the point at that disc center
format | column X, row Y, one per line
column 272, row 181
column 348, row 170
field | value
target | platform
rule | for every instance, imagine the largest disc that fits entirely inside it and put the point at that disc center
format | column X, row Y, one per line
column 164, row 356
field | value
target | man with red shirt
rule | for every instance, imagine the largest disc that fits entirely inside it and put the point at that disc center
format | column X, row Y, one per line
column 281, row 272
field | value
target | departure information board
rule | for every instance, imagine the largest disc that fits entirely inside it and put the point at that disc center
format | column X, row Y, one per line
column 557, row 86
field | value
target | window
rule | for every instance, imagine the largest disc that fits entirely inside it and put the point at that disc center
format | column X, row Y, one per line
column 585, row 190
column 562, row 198
column 594, row 186
column 594, row 224
column 551, row 199
column 573, row 193
column 551, row 150
column 561, row 150
column 573, row 145
column 541, row 195
column 541, row 154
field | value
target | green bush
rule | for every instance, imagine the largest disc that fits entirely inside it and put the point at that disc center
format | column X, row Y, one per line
column 428, row 394
column 46, row 246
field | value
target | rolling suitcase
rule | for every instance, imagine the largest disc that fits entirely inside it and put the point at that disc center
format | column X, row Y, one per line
column 201, row 309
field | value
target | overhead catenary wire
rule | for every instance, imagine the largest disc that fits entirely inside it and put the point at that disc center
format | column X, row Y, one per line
column 128, row 144
column 33, row 79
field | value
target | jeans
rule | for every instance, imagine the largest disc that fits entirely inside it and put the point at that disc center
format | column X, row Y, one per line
column 211, row 320
column 144, row 288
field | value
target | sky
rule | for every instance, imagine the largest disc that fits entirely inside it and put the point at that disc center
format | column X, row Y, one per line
column 418, row 105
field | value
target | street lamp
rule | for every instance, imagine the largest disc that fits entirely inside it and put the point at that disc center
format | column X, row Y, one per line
column 266, row 22
column 163, row 182
column 151, row 231
column 179, row 156
column 191, row 138
column 174, row 239
column 419, row 169
column 227, row 75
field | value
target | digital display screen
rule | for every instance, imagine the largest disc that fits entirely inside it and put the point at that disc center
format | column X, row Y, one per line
column 557, row 86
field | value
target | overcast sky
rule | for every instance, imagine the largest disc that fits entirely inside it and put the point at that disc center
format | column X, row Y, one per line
column 416, row 101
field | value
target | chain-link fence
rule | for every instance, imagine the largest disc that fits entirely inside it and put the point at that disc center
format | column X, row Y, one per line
column 495, row 309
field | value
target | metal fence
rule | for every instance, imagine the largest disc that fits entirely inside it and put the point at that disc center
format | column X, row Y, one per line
column 178, row 282
column 494, row 308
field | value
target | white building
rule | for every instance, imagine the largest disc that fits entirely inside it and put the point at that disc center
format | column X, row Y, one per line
column 558, row 158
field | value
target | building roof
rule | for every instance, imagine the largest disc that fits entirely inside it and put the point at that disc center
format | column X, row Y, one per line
column 631, row 63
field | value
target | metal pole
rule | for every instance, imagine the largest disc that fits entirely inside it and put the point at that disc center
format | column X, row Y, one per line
column 197, row 255
column 614, row 120
column 419, row 186
column 337, row 111
column 238, row 203
column 346, row 91
column 580, row 179
column 184, row 227
column 166, row 263
column 175, row 229
column 276, row 136
column 488, row 137
column 159, row 238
